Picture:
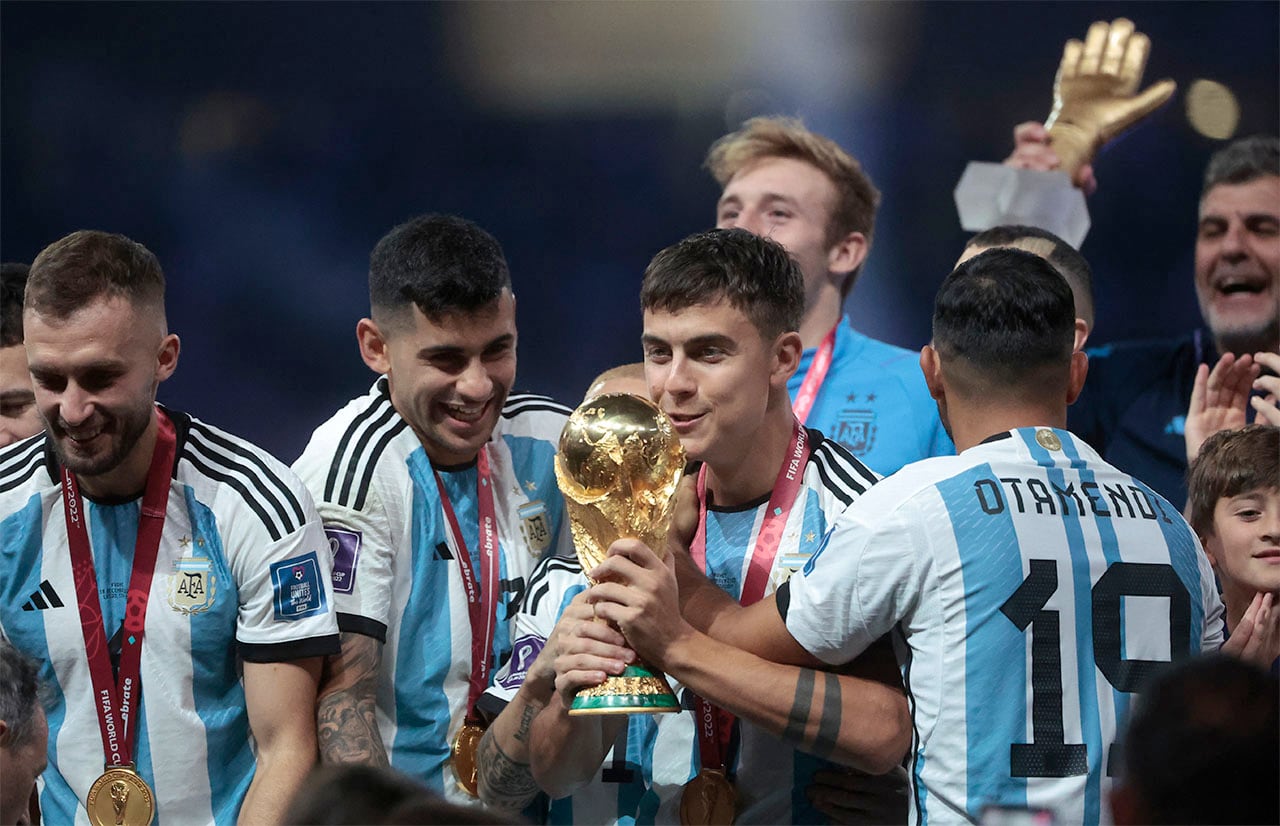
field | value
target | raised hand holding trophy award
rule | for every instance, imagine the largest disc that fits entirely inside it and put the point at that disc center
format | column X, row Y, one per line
column 618, row 466
column 1095, row 98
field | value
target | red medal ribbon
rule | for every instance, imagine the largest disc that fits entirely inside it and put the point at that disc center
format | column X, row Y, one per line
column 114, row 700
column 482, row 597
column 715, row 725
column 817, row 374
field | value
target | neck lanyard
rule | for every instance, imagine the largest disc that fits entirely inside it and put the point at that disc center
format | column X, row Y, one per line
column 815, row 376
column 482, row 596
column 116, row 699
column 715, row 725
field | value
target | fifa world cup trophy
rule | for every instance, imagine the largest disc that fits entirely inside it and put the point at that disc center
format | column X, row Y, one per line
column 618, row 466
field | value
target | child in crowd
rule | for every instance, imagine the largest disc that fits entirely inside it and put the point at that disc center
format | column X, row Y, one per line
column 1234, row 495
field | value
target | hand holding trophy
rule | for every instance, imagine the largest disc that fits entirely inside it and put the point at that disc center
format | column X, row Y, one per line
column 618, row 466
column 1095, row 98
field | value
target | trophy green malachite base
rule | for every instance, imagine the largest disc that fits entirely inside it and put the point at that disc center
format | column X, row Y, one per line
column 637, row 690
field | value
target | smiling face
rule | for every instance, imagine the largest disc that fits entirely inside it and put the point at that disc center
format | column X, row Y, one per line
column 1238, row 264
column 710, row 370
column 1244, row 546
column 95, row 374
column 448, row 377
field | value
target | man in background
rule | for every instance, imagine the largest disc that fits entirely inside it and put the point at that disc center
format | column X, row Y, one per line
column 802, row 190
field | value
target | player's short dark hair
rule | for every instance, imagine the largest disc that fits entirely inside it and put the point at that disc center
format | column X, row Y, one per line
column 1065, row 258
column 1203, row 745
column 74, row 271
column 1231, row 462
column 19, row 694
column 754, row 274
column 441, row 264
column 13, row 281
column 1242, row 161
column 1006, row 313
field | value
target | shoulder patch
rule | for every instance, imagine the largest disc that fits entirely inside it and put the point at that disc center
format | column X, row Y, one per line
column 298, row 592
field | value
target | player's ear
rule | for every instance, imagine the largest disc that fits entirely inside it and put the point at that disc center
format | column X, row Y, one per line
column 932, row 369
column 167, row 356
column 787, row 349
column 373, row 346
column 847, row 254
column 1079, row 370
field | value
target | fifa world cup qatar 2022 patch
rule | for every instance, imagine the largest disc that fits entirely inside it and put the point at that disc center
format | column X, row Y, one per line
column 344, row 545
column 298, row 591
column 523, row 653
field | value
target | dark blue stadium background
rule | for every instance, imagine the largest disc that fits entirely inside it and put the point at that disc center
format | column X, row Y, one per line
column 346, row 118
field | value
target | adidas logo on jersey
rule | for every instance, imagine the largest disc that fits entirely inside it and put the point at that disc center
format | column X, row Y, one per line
column 46, row 597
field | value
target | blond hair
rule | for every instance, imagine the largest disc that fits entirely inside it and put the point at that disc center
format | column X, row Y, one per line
column 778, row 137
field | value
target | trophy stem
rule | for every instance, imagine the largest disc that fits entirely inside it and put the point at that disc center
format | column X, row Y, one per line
column 639, row 689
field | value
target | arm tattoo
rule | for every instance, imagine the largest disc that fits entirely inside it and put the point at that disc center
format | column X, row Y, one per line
column 504, row 782
column 346, row 716
column 822, row 742
column 798, row 720
column 526, row 720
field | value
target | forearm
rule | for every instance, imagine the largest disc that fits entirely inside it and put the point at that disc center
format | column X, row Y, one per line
column 852, row 720
column 278, row 776
column 567, row 751
column 503, row 761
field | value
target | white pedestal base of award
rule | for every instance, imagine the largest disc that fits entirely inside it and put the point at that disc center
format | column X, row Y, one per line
column 992, row 194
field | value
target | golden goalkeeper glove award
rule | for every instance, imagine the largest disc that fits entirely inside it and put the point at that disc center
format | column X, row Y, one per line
column 1095, row 98
column 618, row 466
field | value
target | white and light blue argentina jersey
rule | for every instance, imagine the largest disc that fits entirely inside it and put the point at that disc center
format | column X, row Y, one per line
column 1031, row 589
column 615, row 793
column 396, row 575
column 662, row 749
column 242, row 573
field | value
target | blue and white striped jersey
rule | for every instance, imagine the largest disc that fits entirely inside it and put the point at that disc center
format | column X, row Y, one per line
column 1031, row 589
column 396, row 575
column 662, row 749
column 242, row 572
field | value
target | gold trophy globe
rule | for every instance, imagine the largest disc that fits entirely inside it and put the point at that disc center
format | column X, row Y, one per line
column 618, row 467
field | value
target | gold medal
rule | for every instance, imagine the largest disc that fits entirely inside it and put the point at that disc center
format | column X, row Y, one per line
column 120, row 797
column 708, row 800
column 465, row 745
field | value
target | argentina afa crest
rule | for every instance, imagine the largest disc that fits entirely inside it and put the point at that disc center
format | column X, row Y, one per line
column 193, row 585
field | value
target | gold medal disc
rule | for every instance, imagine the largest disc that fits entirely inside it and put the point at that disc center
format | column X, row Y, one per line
column 120, row 797
column 465, row 746
column 708, row 800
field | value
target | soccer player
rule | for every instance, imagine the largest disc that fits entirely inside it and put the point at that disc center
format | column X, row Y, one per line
column 438, row 494
column 146, row 560
column 802, row 190
column 524, row 684
column 1030, row 588
column 721, row 310
column 18, row 416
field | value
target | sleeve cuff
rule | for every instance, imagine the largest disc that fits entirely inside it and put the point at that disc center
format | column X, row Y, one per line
column 293, row 650
column 356, row 624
